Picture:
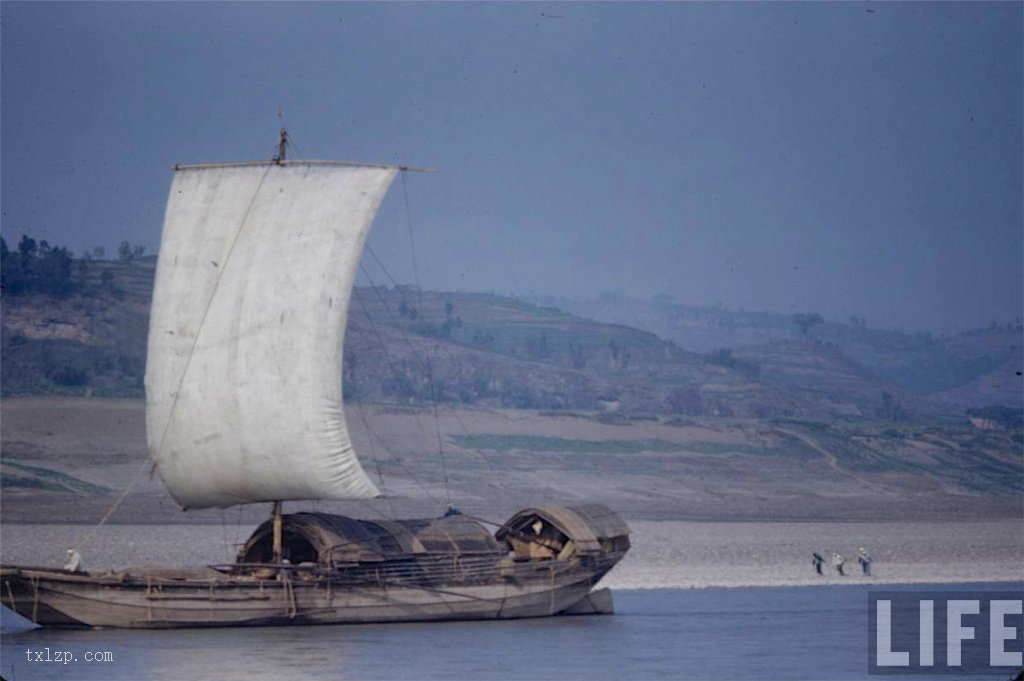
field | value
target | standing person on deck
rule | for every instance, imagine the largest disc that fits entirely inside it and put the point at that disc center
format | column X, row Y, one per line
column 74, row 563
column 816, row 561
column 837, row 560
column 865, row 561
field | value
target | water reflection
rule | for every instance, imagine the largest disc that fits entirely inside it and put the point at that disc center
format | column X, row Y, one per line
column 777, row 632
column 394, row 651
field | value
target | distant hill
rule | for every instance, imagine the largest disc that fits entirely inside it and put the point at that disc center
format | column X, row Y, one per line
column 409, row 346
column 973, row 369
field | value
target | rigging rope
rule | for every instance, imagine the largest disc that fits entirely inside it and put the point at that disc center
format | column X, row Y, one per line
column 412, row 242
column 455, row 360
column 103, row 521
column 391, row 365
column 430, row 371
column 291, row 144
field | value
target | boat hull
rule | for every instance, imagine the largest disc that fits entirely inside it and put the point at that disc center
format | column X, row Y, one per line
column 55, row 598
column 543, row 561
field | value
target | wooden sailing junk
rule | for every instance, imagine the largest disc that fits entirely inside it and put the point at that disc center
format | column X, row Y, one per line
column 244, row 405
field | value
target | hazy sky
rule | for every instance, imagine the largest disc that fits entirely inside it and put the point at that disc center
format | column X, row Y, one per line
column 845, row 158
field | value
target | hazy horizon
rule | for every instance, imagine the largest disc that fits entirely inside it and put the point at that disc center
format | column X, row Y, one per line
column 842, row 158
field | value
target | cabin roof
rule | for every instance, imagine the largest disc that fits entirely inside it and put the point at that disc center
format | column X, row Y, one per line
column 340, row 539
column 587, row 525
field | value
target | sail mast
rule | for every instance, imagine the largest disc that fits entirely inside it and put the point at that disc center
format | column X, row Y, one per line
column 282, row 144
column 278, row 548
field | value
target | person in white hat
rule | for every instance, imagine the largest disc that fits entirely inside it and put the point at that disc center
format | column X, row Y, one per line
column 865, row 561
column 74, row 563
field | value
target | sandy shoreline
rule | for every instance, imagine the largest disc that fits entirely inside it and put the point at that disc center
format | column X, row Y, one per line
column 665, row 554
column 710, row 514
column 687, row 555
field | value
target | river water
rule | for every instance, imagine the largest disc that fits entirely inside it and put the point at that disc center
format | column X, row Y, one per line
column 818, row 632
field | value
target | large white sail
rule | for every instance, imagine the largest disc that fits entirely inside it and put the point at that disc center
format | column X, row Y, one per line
column 243, row 376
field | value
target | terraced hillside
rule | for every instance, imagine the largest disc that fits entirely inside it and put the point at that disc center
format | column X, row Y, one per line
column 976, row 368
column 409, row 346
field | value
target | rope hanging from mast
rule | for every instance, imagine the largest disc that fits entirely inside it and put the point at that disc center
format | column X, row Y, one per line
column 426, row 358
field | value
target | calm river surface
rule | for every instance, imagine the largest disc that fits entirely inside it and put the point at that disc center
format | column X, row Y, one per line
column 714, row 633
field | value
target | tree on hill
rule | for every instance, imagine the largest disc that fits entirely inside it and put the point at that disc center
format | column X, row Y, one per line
column 805, row 320
column 126, row 252
column 36, row 267
column 891, row 410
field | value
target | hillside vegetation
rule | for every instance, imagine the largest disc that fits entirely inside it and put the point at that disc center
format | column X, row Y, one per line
column 409, row 346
